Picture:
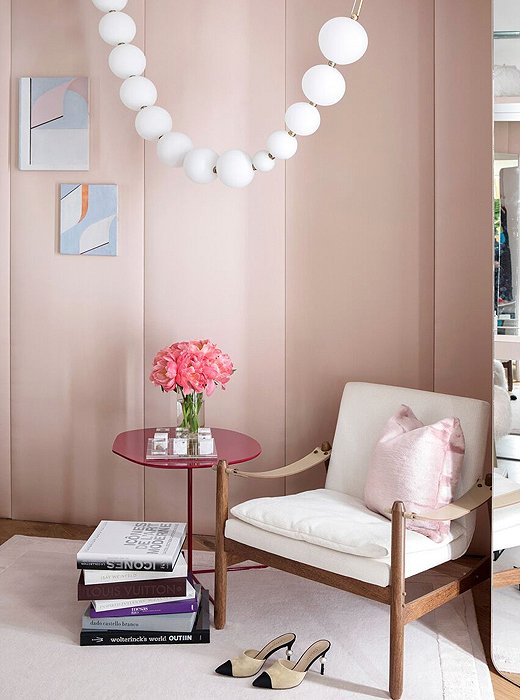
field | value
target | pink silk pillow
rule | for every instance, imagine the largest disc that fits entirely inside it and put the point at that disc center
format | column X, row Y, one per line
column 419, row 465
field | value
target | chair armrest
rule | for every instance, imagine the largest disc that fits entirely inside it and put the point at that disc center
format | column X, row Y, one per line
column 472, row 499
column 506, row 499
column 317, row 456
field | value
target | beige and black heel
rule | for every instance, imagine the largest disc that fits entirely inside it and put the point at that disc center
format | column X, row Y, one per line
column 252, row 660
column 287, row 674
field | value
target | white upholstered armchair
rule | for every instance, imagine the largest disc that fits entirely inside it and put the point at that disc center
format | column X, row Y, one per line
column 329, row 535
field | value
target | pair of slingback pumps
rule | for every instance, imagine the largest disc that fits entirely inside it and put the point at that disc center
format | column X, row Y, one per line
column 283, row 674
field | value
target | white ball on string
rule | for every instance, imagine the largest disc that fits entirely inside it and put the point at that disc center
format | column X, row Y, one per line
column 173, row 147
column 235, row 168
column 302, row 118
column 323, row 85
column 153, row 122
column 109, row 5
column 263, row 162
column 117, row 28
column 199, row 165
column 343, row 40
column 126, row 60
column 137, row 92
column 281, row 145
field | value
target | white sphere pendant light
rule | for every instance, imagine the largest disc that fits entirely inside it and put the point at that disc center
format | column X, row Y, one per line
column 173, row 147
column 302, row 119
column 323, row 85
column 282, row 145
column 342, row 40
column 263, row 162
column 153, row 122
column 110, row 5
column 235, row 168
column 137, row 92
column 199, row 165
column 117, row 28
column 126, row 60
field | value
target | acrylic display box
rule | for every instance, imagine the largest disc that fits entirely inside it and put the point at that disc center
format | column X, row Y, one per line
column 177, row 443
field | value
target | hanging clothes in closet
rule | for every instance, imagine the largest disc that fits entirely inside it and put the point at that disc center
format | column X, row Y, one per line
column 503, row 271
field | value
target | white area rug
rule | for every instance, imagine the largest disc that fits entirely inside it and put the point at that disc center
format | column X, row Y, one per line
column 505, row 621
column 40, row 657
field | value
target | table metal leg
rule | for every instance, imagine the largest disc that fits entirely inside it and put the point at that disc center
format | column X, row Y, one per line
column 190, row 520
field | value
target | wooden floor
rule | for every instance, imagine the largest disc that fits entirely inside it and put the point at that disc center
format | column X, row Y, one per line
column 504, row 689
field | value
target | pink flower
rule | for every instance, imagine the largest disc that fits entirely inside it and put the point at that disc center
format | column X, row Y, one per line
column 192, row 366
column 164, row 371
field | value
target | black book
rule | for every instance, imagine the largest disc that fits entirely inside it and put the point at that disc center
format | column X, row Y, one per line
column 198, row 635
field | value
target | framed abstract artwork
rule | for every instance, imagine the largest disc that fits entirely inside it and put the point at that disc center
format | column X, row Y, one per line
column 88, row 219
column 54, row 124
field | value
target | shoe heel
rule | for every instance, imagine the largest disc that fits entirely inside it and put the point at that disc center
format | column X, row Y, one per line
column 288, row 652
column 322, row 664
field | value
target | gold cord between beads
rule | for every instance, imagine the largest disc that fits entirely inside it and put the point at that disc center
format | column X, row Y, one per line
column 356, row 10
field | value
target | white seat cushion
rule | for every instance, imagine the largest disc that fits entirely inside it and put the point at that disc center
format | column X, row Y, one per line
column 506, row 521
column 335, row 532
column 376, row 571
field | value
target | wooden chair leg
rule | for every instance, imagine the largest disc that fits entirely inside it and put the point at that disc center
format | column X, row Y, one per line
column 397, row 583
column 220, row 552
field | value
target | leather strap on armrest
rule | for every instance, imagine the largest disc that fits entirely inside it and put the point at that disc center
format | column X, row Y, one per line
column 317, row 456
column 475, row 497
column 506, row 499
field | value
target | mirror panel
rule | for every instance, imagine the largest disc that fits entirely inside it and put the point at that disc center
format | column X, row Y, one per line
column 505, row 595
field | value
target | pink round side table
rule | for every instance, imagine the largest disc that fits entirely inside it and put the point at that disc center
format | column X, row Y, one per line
column 231, row 446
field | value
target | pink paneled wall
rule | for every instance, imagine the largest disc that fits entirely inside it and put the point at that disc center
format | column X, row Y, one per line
column 463, row 212
column 223, row 80
column 360, row 220
column 463, row 191
column 76, row 322
column 5, row 207
column 507, row 137
column 318, row 273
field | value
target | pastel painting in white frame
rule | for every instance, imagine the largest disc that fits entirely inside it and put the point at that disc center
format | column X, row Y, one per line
column 88, row 219
column 54, row 123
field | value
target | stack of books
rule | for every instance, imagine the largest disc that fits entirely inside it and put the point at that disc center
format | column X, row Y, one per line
column 136, row 580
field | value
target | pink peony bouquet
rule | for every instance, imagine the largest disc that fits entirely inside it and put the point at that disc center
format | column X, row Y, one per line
column 195, row 366
column 191, row 368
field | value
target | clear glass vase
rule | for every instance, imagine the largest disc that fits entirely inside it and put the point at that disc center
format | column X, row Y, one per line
column 190, row 412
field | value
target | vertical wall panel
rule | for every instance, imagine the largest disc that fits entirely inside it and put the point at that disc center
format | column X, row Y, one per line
column 360, row 219
column 77, row 322
column 463, row 206
column 501, row 132
column 463, row 199
column 5, row 206
column 215, row 256
column 507, row 137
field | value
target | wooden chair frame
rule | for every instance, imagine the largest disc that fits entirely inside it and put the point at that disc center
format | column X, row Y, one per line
column 458, row 576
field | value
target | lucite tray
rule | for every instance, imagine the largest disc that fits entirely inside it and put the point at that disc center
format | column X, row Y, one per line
column 193, row 451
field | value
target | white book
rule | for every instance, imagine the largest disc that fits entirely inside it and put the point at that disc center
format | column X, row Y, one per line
column 132, row 546
column 102, row 605
column 96, row 576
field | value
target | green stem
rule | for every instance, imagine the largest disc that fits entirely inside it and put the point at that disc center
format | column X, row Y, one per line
column 191, row 405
